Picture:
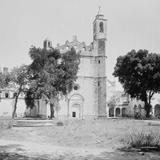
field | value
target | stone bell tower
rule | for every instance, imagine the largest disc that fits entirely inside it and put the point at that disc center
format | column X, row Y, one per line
column 99, row 43
column 47, row 44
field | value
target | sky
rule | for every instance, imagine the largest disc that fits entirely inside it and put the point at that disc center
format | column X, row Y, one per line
column 131, row 24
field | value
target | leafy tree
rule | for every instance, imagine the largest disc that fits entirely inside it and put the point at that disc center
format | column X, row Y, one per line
column 4, row 80
column 19, row 77
column 53, row 73
column 139, row 73
column 30, row 98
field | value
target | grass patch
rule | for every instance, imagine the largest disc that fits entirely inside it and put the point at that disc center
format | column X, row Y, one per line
column 144, row 140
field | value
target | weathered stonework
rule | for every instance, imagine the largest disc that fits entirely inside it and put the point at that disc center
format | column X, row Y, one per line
column 90, row 98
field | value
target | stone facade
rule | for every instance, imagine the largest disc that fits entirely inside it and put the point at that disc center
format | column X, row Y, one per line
column 89, row 98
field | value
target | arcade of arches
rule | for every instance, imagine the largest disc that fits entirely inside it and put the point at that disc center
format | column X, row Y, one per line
column 155, row 110
column 138, row 111
column 117, row 112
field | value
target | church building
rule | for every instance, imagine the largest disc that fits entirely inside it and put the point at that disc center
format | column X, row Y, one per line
column 88, row 99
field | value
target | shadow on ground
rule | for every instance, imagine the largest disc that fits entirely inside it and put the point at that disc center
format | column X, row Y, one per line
column 77, row 140
column 4, row 155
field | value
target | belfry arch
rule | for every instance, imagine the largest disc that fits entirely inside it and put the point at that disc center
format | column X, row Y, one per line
column 101, row 27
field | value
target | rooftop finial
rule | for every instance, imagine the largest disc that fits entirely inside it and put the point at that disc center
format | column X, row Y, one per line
column 99, row 8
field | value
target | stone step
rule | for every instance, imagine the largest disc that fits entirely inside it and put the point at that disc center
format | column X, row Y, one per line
column 33, row 123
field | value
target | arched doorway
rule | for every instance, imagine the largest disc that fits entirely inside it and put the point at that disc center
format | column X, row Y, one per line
column 111, row 112
column 123, row 112
column 157, row 110
column 135, row 109
column 117, row 112
column 139, row 110
column 76, row 111
column 75, row 106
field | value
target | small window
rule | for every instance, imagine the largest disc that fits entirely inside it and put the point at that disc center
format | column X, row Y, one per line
column 14, row 95
column 73, row 114
column 84, row 49
column 6, row 95
column 95, row 28
column 98, row 83
column 101, row 29
column 76, row 87
column 99, row 61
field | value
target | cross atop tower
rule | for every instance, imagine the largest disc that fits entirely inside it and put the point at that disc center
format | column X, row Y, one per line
column 99, row 8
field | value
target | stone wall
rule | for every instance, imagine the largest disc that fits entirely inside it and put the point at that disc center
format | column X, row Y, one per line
column 6, row 107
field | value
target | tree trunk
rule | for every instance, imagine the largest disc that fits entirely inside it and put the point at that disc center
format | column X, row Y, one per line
column 15, row 102
column 15, row 107
column 51, row 110
column 147, row 108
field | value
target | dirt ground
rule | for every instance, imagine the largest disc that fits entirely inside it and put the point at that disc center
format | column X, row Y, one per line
column 76, row 140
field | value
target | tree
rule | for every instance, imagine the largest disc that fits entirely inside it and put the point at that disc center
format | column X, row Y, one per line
column 4, row 80
column 19, row 77
column 139, row 73
column 53, row 73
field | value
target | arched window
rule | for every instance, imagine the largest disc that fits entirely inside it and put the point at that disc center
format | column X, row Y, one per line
column 95, row 28
column 135, row 108
column 139, row 108
column 101, row 28
column 111, row 112
column 157, row 110
column 6, row 95
column 117, row 112
column 76, row 87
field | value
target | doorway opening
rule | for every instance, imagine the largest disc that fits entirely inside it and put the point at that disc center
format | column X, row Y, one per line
column 73, row 114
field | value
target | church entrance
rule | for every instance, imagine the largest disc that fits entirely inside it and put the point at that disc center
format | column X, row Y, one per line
column 75, row 108
column 76, row 111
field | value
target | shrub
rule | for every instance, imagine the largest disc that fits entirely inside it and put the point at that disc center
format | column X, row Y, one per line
column 140, row 139
column 59, row 123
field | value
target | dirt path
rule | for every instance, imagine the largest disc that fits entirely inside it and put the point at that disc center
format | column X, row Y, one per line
column 16, row 150
column 84, row 140
column 30, row 148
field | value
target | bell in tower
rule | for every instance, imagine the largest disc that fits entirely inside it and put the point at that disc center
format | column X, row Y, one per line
column 47, row 44
column 99, row 27
column 99, row 34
